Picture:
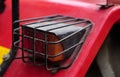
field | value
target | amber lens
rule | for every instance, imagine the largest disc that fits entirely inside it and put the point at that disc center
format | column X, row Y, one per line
column 54, row 49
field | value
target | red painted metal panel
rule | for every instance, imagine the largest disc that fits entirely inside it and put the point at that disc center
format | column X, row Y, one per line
column 114, row 1
column 102, row 20
column 92, row 1
column 5, row 26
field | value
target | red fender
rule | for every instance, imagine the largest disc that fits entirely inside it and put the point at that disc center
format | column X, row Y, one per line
column 103, row 20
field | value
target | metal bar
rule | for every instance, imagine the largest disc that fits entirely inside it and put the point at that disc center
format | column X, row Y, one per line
column 16, row 42
column 57, row 23
column 15, row 16
column 46, row 20
column 17, row 29
column 37, row 18
column 34, row 34
column 46, row 56
column 67, row 25
column 21, row 57
column 23, row 45
column 73, row 59
column 52, row 56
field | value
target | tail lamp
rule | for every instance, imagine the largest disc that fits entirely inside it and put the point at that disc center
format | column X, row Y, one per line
column 52, row 41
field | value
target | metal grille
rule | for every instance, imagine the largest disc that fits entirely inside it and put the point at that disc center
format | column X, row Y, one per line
column 35, row 24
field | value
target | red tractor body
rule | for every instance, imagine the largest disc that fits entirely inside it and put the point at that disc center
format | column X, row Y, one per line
column 102, row 19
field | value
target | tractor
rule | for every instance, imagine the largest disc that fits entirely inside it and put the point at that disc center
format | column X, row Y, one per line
column 59, row 38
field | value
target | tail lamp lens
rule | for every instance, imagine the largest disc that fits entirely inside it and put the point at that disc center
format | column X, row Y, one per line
column 53, row 45
column 52, row 49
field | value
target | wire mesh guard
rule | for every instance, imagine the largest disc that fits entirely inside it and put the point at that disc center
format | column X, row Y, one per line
column 52, row 41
